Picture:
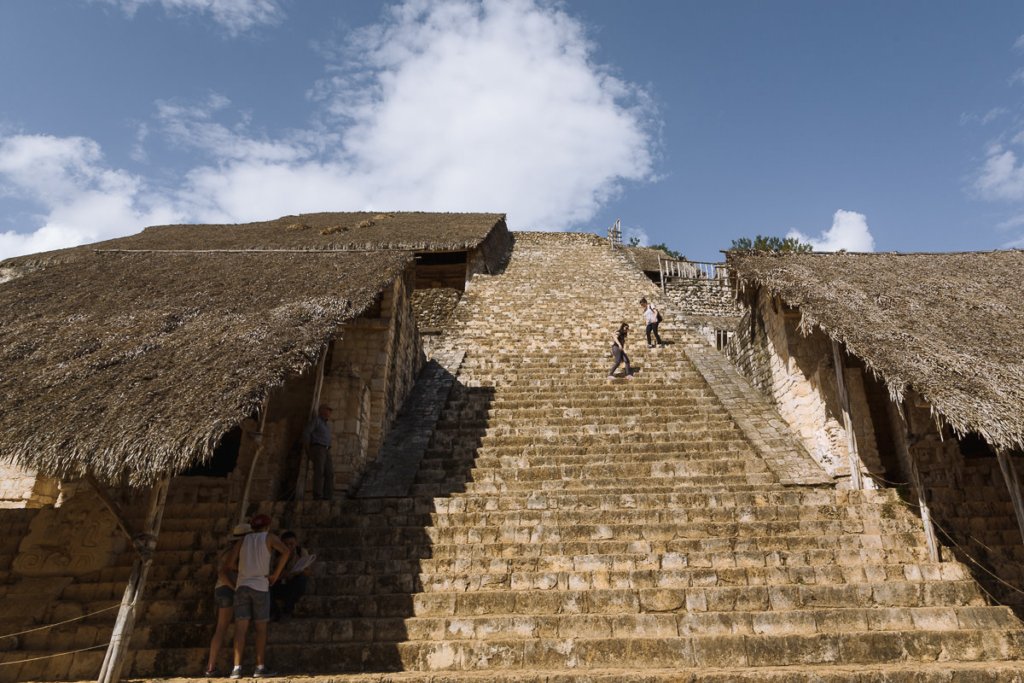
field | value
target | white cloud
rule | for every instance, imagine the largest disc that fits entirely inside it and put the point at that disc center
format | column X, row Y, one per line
column 983, row 119
column 82, row 199
column 629, row 234
column 1001, row 176
column 237, row 16
column 445, row 105
column 849, row 231
column 453, row 105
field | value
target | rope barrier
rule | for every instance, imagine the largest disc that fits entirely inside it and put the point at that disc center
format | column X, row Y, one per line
column 61, row 623
column 58, row 654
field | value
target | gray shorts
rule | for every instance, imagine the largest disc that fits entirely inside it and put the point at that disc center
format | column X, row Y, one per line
column 224, row 596
column 252, row 604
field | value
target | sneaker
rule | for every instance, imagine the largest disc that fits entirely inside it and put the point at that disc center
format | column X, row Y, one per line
column 213, row 673
column 262, row 672
column 236, row 672
column 650, row 346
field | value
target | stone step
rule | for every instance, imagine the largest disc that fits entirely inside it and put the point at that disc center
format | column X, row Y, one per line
column 573, row 626
column 764, row 497
column 526, row 460
column 916, row 672
column 708, row 484
column 850, row 648
column 556, row 421
column 681, row 447
column 636, row 435
column 610, row 485
column 641, row 471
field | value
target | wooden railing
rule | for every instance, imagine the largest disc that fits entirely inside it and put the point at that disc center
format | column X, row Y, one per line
column 615, row 233
column 692, row 270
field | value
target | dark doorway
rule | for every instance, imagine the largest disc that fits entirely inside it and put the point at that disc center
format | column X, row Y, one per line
column 224, row 459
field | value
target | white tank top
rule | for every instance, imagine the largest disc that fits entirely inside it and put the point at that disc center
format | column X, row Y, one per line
column 254, row 562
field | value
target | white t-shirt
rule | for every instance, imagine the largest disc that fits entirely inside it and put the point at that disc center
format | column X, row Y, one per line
column 254, row 562
column 651, row 314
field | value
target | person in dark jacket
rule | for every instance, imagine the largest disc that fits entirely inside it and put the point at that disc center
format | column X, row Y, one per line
column 619, row 352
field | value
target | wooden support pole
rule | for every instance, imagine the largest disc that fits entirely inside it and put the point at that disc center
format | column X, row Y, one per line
column 904, row 439
column 300, row 485
column 1012, row 483
column 844, row 402
column 115, row 509
column 244, row 503
column 145, row 546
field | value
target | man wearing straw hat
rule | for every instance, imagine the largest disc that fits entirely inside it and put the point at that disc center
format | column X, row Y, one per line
column 317, row 439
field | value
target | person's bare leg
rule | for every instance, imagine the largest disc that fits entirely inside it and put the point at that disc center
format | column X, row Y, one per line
column 241, row 629
column 261, row 640
column 224, row 615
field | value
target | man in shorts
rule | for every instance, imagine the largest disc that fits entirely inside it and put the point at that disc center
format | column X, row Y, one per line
column 252, row 556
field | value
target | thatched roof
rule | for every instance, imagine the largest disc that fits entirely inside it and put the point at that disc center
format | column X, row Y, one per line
column 646, row 258
column 133, row 365
column 950, row 326
column 411, row 231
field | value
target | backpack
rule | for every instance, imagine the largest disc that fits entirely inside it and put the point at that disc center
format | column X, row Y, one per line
column 659, row 315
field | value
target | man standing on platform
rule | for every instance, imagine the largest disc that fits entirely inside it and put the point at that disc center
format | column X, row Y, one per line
column 317, row 439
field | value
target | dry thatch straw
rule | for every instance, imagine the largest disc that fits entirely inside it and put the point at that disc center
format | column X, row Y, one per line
column 950, row 326
column 411, row 231
column 133, row 365
column 646, row 258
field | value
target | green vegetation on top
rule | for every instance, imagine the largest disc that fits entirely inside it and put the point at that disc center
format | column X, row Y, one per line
column 777, row 244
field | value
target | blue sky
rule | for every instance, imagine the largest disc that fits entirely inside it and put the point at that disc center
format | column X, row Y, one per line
column 892, row 126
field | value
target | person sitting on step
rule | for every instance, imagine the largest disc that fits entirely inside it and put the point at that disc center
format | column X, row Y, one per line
column 619, row 351
column 292, row 585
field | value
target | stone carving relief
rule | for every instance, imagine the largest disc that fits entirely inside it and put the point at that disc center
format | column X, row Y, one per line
column 75, row 538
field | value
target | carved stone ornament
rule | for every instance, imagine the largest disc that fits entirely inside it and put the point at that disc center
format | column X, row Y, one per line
column 70, row 540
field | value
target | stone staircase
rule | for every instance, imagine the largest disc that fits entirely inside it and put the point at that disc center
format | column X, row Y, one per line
column 563, row 527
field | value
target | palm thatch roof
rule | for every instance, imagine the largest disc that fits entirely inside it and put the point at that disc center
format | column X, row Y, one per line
column 646, row 258
column 409, row 231
column 949, row 326
column 133, row 365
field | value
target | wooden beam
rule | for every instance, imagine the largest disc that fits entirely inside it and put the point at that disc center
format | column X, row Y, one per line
column 904, row 439
column 145, row 546
column 1013, row 484
column 244, row 503
column 115, row 509
column 844, row 402
column 300, row 484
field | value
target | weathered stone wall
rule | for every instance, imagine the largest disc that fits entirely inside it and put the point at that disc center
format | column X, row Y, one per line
column 493, row 253
column 797, row 373
column 373, row 368
column 970, row 503
column 714, row 298
column 25, row 488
